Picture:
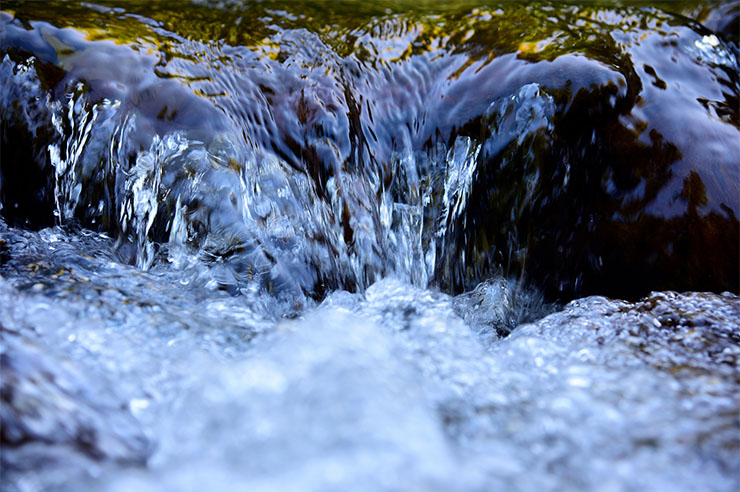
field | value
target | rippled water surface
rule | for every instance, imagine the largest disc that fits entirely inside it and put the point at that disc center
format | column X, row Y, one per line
column 332, row 245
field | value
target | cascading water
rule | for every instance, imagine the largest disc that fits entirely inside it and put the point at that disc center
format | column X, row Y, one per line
column 296, row 246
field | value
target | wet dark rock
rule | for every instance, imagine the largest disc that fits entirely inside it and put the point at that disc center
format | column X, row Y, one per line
column 633, row 188
column 26, row 176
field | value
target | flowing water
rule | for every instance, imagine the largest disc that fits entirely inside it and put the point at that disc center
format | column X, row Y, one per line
column 331, row 245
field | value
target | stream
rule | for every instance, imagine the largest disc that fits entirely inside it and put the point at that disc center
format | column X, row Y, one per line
column 369, row 246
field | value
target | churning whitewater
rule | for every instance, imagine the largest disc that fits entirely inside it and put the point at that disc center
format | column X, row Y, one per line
column 351, row 246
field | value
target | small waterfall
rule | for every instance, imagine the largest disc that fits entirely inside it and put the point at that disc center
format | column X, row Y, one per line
column 346, row 245
column 334, row 159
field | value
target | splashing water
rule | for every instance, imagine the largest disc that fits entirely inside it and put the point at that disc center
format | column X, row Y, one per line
column 329, row 246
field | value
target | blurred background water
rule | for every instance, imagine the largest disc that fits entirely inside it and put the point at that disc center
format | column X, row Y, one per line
column 331, row 245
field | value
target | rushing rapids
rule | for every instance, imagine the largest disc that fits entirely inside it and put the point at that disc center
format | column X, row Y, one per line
column 310, row 246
